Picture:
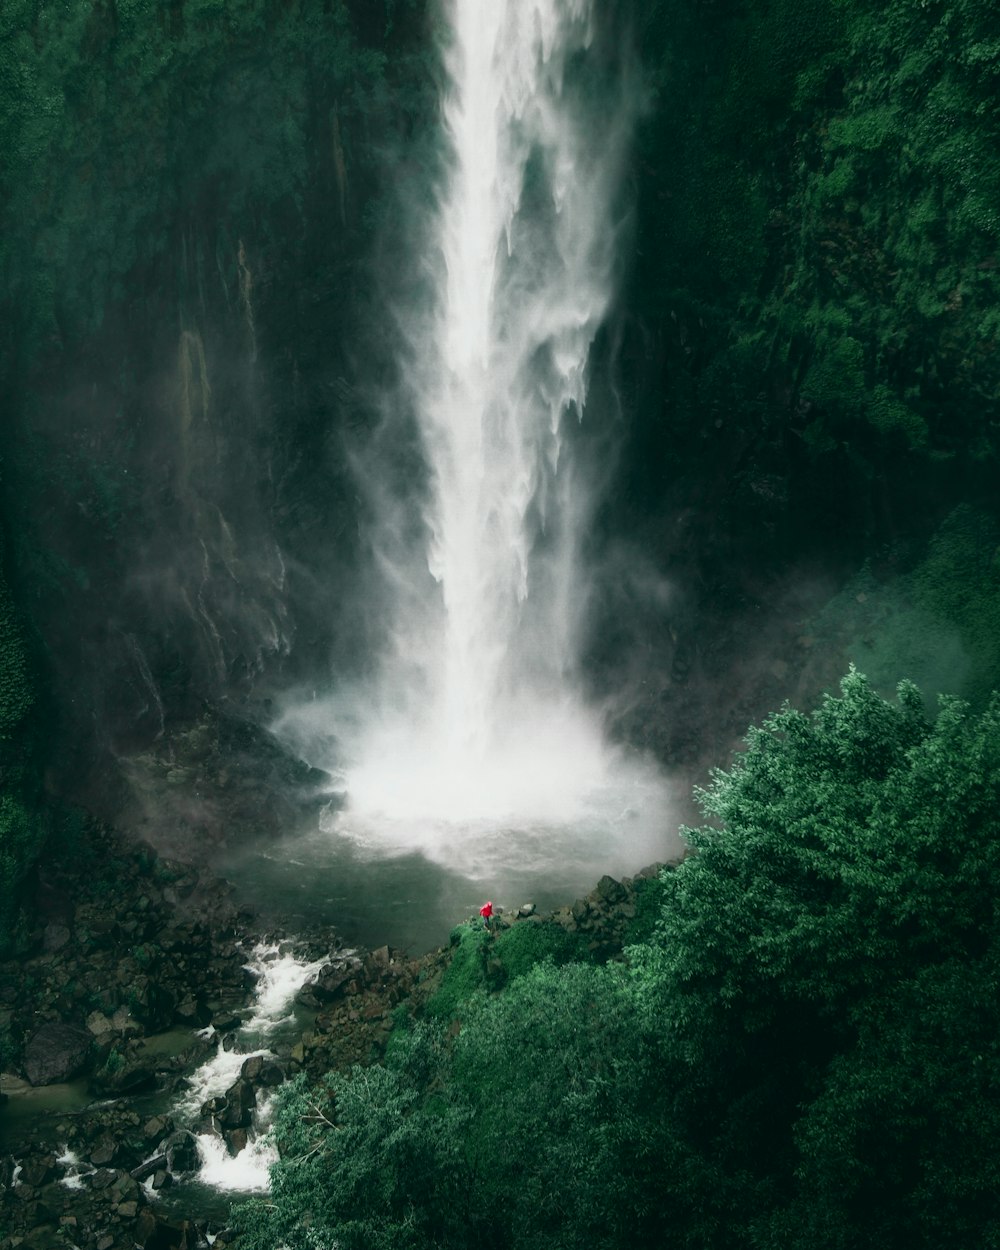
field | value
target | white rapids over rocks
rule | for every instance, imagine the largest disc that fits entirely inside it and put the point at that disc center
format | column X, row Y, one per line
column 279, row 975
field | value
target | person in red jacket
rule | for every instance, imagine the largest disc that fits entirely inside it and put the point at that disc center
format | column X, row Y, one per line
column 486, row 911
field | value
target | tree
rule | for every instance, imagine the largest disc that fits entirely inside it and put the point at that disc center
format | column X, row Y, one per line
column 819, row 979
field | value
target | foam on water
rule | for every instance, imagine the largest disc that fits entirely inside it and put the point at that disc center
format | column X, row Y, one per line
column 247, row 1172
column 278, row 977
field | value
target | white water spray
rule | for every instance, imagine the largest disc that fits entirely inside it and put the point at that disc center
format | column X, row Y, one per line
column 476, row 727
column 279, row 976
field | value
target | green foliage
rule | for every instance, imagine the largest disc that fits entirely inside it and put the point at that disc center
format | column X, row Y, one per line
column 938, row 621
column 821, row 182
column 116, row 121
column 814, row 963
column 483, row 959
column 362, row 1168
column 804, row 1052
column 22, row 834
column 16, row 692
column 525, row 944
column 466, row 972
column 552, row 1075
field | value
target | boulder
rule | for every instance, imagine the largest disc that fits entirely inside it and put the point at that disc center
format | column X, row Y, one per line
column 55, row 937
column 149, row 1168
column 182, row 1151
column 236, row 1140
column 609, row 891
column 56, row 1052
column 36, row 1170
column 104, row 1152
column 240, row 1102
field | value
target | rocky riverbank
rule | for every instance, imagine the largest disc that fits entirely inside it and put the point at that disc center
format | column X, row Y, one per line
column 143, row 969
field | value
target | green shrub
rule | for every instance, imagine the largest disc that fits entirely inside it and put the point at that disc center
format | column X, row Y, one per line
column 527, row 943
column 465, row 974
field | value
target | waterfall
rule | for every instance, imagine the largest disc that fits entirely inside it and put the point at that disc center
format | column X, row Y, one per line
column 477, row 724
column 525, row 287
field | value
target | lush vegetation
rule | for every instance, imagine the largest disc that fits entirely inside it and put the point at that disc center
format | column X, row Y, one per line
column 22, row 825
column 819, row 282
column 804, row 1052
column 197, row 199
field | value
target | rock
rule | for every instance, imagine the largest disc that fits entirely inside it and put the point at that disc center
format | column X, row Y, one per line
column 99, row 1024
column 224, row 1020
column 236, row 1140
column 37, row 1170
column 55, row 937
column 144, row 1227
column 609, row 891
column 127, row 1210
column 240, row 1102
column 252, row 1068
column 149, row 1167
column 124, row 1023
column 157, row 1128
column 187, row 1011
column 102, row 1179
column 104, row 1152
column 330, row 982
column 123, row 1074
column 526, row 909
column 182, row 1151
column 271, row 1073
column 56, row 1052
column 580, row 910
column 162, row 1179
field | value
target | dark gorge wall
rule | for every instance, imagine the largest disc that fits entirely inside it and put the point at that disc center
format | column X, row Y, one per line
column 809, row 353
column 196, row 211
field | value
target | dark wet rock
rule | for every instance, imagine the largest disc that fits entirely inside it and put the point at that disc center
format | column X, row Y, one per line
column 144, row 1228
column 224, row 1019
column 307, row 997
column 240, row 1102
column 252, row 1068
column 182, row 1151
column 124, row 1073
column 190, row 1011
column 157, row 1128
column 162, row 1179
column 36, row 1170
column 236, row 1140
column 271, row 1073
column 55, row 937
column 609, row 891
column 331, row 982
column 105, row 1152
column 149, row 1167
column 56, row 1052
column 102, row 1179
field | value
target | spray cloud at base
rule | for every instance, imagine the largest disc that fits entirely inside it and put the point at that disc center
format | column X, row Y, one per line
column 473, row 745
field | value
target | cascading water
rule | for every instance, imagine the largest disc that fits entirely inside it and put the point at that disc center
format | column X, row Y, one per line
column 475, row 749
column 279, row 975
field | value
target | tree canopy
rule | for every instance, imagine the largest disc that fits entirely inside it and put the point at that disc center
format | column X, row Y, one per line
column 804, row 1053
